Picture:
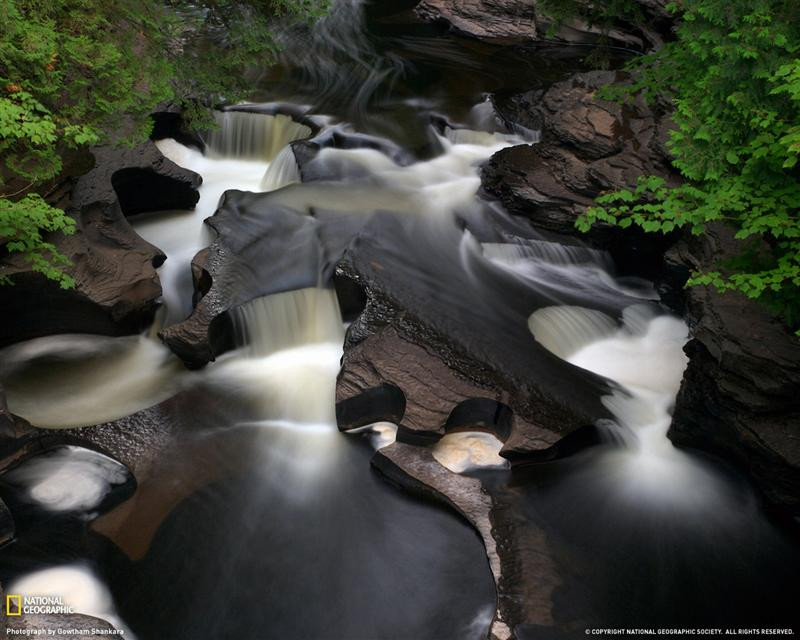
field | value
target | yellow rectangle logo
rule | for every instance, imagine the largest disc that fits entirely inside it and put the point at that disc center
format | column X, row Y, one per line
column 13, row 605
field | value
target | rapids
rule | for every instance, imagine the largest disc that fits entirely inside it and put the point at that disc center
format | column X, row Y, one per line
column 253, row 517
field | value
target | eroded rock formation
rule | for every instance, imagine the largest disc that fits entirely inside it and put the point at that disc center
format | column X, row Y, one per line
column 588, row 146
column 739, row 394
column 525, row 573
column 117, row 287
column 432, row 338
column 260, row 249
column 527, row 22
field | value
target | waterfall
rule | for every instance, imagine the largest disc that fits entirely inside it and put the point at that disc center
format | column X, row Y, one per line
column 644, row 356
column 481, row 138
column 288, row 320
column 565, row 330
column 252, row 136
column 511, row 254
column 286, row 369
column 282, row 171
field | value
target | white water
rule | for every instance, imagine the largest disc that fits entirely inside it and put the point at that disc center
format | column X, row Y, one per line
column 87, row 379
column 288, row 320
column 644, row 355
column 252, row 136
column 292, row 344
column 77, row 586
column 566, row 269
column 282, row 171
column 181, row 234
column 68, row 478
column 431, row 188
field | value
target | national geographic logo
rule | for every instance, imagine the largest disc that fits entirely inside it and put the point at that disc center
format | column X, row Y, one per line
column 13, row 605
column 16, row 605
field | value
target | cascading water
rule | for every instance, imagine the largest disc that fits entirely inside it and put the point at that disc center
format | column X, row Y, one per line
column 252, row 136
column 257, row 501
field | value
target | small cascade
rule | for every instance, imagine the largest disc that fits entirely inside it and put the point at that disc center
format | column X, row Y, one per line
column 567, row 271
column 480, row 138
column 288, row 320
column 282, row 171
column 550, row 252
column 252, row 136
column 592, row 340
column 564, row 330
column 291, row 343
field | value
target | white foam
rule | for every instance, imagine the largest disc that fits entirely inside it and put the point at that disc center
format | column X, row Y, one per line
column 181, row 234
column 68, row 478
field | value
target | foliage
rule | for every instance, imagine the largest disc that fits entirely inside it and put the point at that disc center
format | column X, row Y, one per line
column 81, row 72
column 733, row 78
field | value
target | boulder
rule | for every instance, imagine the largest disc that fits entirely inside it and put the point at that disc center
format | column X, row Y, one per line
column 739, row 394
column 338, row 137
column 588, row 146
column 117, row 286
column 261, row 248
column 440, row 346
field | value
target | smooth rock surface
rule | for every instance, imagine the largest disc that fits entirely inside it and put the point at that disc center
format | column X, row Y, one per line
column 442, row 346
column 117, row 286
column 260, row 249
column 739, row 396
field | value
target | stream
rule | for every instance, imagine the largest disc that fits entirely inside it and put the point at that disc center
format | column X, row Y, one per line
column 254, row 517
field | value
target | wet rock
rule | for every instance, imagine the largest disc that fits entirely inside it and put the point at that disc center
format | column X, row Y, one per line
column 526, row 22
column 525, row 573
column 260, row 249
column 11, row 426
column 739, row 393
column 141, row 179
column 298, row 113
column 588, row 147
column 117, row 287
column 435, row 336
column 307, row 151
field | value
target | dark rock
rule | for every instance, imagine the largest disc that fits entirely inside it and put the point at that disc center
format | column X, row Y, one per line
column 588, row 147
column 117, row 287
column 443, row 334
column 300, row 114
column 311, row 169
column 260, row 249
column 141, row 179
column 525, row 573
column 739, row 394
column 525, row 22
